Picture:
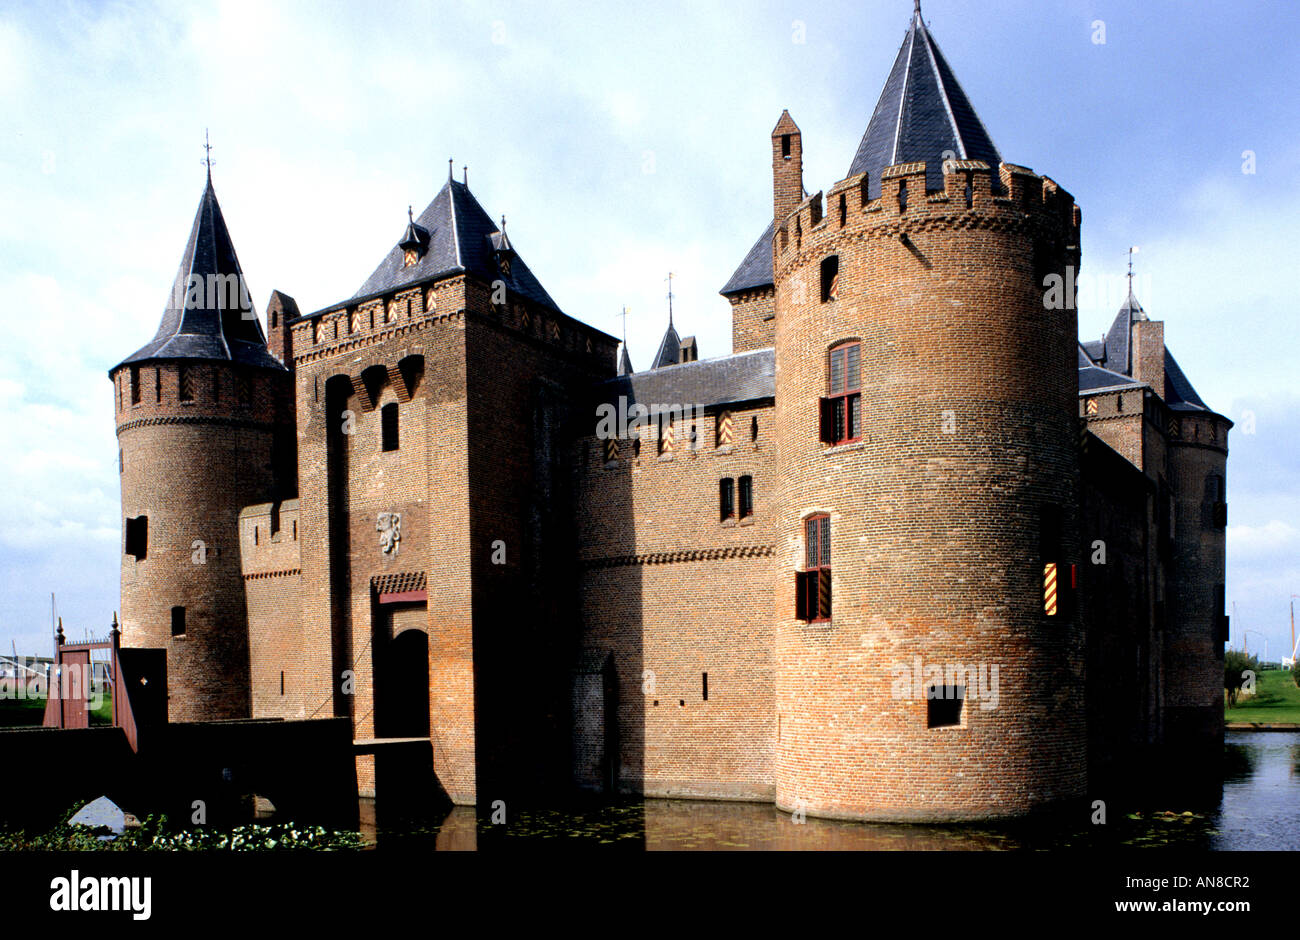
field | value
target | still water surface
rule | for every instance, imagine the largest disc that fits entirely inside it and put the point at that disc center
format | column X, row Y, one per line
column 1259, row 808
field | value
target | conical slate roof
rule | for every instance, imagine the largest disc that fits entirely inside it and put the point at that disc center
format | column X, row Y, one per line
column 1117, row 357
column 1117, row 351
column 921, row 115
column 209, row 313
column 670, row 348
column 461, row 236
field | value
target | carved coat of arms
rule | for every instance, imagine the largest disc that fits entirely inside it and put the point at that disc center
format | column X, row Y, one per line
column 389, row 527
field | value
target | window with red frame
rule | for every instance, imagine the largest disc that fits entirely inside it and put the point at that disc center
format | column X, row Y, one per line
column 813, row 584
column 841, row 409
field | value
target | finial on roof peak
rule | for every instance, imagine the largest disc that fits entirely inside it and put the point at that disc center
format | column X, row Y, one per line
column 450, row 169
column 410, row 215
column 207, row 154
column 916, row 11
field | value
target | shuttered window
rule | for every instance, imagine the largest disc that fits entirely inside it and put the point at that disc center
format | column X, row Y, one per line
column 841, row 409
column 813, row 585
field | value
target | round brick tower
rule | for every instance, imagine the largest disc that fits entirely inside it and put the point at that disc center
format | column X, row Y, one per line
column 204, row 425
column 926, row 405
column 1195, row 624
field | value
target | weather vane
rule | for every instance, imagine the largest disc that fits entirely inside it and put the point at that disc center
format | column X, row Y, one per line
column 207, row 152
column 670, row 298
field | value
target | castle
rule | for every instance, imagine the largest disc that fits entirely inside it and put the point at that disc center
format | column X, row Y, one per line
column 912, row 551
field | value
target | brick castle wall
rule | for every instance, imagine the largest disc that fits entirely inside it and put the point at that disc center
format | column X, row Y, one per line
column 753, row 319
column 271, row 566
column 1194, row 649
column 674, row 592
column 190, row 466
column 935, row 535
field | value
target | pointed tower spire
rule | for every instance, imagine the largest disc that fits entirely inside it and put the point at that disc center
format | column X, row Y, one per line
column 922, row 114
column 624, row 360
column 670, row 347
column 209, row 313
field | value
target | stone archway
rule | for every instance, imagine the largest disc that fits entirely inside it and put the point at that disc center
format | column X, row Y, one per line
column 402, row 677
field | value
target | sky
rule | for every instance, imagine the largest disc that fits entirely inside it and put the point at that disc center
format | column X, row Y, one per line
column 622, row 142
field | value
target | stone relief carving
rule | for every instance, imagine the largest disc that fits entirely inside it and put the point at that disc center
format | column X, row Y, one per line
column 389, row 527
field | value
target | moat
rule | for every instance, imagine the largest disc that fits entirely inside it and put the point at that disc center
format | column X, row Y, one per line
column 1259, row 809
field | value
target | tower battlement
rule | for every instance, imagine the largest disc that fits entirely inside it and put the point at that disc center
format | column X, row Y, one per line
column 1026, row 202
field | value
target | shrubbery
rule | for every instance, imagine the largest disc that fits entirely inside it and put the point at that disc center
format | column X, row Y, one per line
column 1235, row 663
column 153, row 835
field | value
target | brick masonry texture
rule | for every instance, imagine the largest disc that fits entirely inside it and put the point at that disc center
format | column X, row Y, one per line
column 557, row 613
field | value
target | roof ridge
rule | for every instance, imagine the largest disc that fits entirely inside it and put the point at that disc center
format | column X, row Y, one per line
column 943, row 89
column 907, row 73
column 455, row 225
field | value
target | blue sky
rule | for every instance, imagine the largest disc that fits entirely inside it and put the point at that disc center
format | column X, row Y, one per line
column 622, row 142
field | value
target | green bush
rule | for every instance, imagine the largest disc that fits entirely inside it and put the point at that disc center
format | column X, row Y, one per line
column 153, row 835
column 1235, row 663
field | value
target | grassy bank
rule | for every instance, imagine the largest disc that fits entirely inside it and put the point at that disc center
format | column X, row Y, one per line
column 1276, row 700
column 30, row 712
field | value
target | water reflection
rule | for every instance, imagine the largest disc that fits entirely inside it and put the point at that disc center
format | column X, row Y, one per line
column 1258, row 808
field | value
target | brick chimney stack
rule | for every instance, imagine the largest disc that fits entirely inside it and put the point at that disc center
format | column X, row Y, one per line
column 280, row 309
column 787, row 168
column 1149, row 354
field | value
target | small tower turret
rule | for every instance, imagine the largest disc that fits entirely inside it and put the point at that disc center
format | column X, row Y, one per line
column 205, row 426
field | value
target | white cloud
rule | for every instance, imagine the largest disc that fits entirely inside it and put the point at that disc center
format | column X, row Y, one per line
column 1266, row 541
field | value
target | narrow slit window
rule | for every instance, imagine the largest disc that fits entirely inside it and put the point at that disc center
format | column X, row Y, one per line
column 388, row 426
column 785, row 146
column 706, row 686
column 726, row 499
column 178, row 621
column 831, row 278
column 746, row 488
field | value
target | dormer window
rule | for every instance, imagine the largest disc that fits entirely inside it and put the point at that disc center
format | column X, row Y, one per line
column 502, row 250
column 414, row 243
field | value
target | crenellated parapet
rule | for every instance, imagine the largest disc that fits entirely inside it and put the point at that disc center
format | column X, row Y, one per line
column 1027, row 204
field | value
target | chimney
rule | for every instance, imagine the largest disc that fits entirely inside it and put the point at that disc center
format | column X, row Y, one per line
column 280, row 309
column 1148, row 352
column 787, row 168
